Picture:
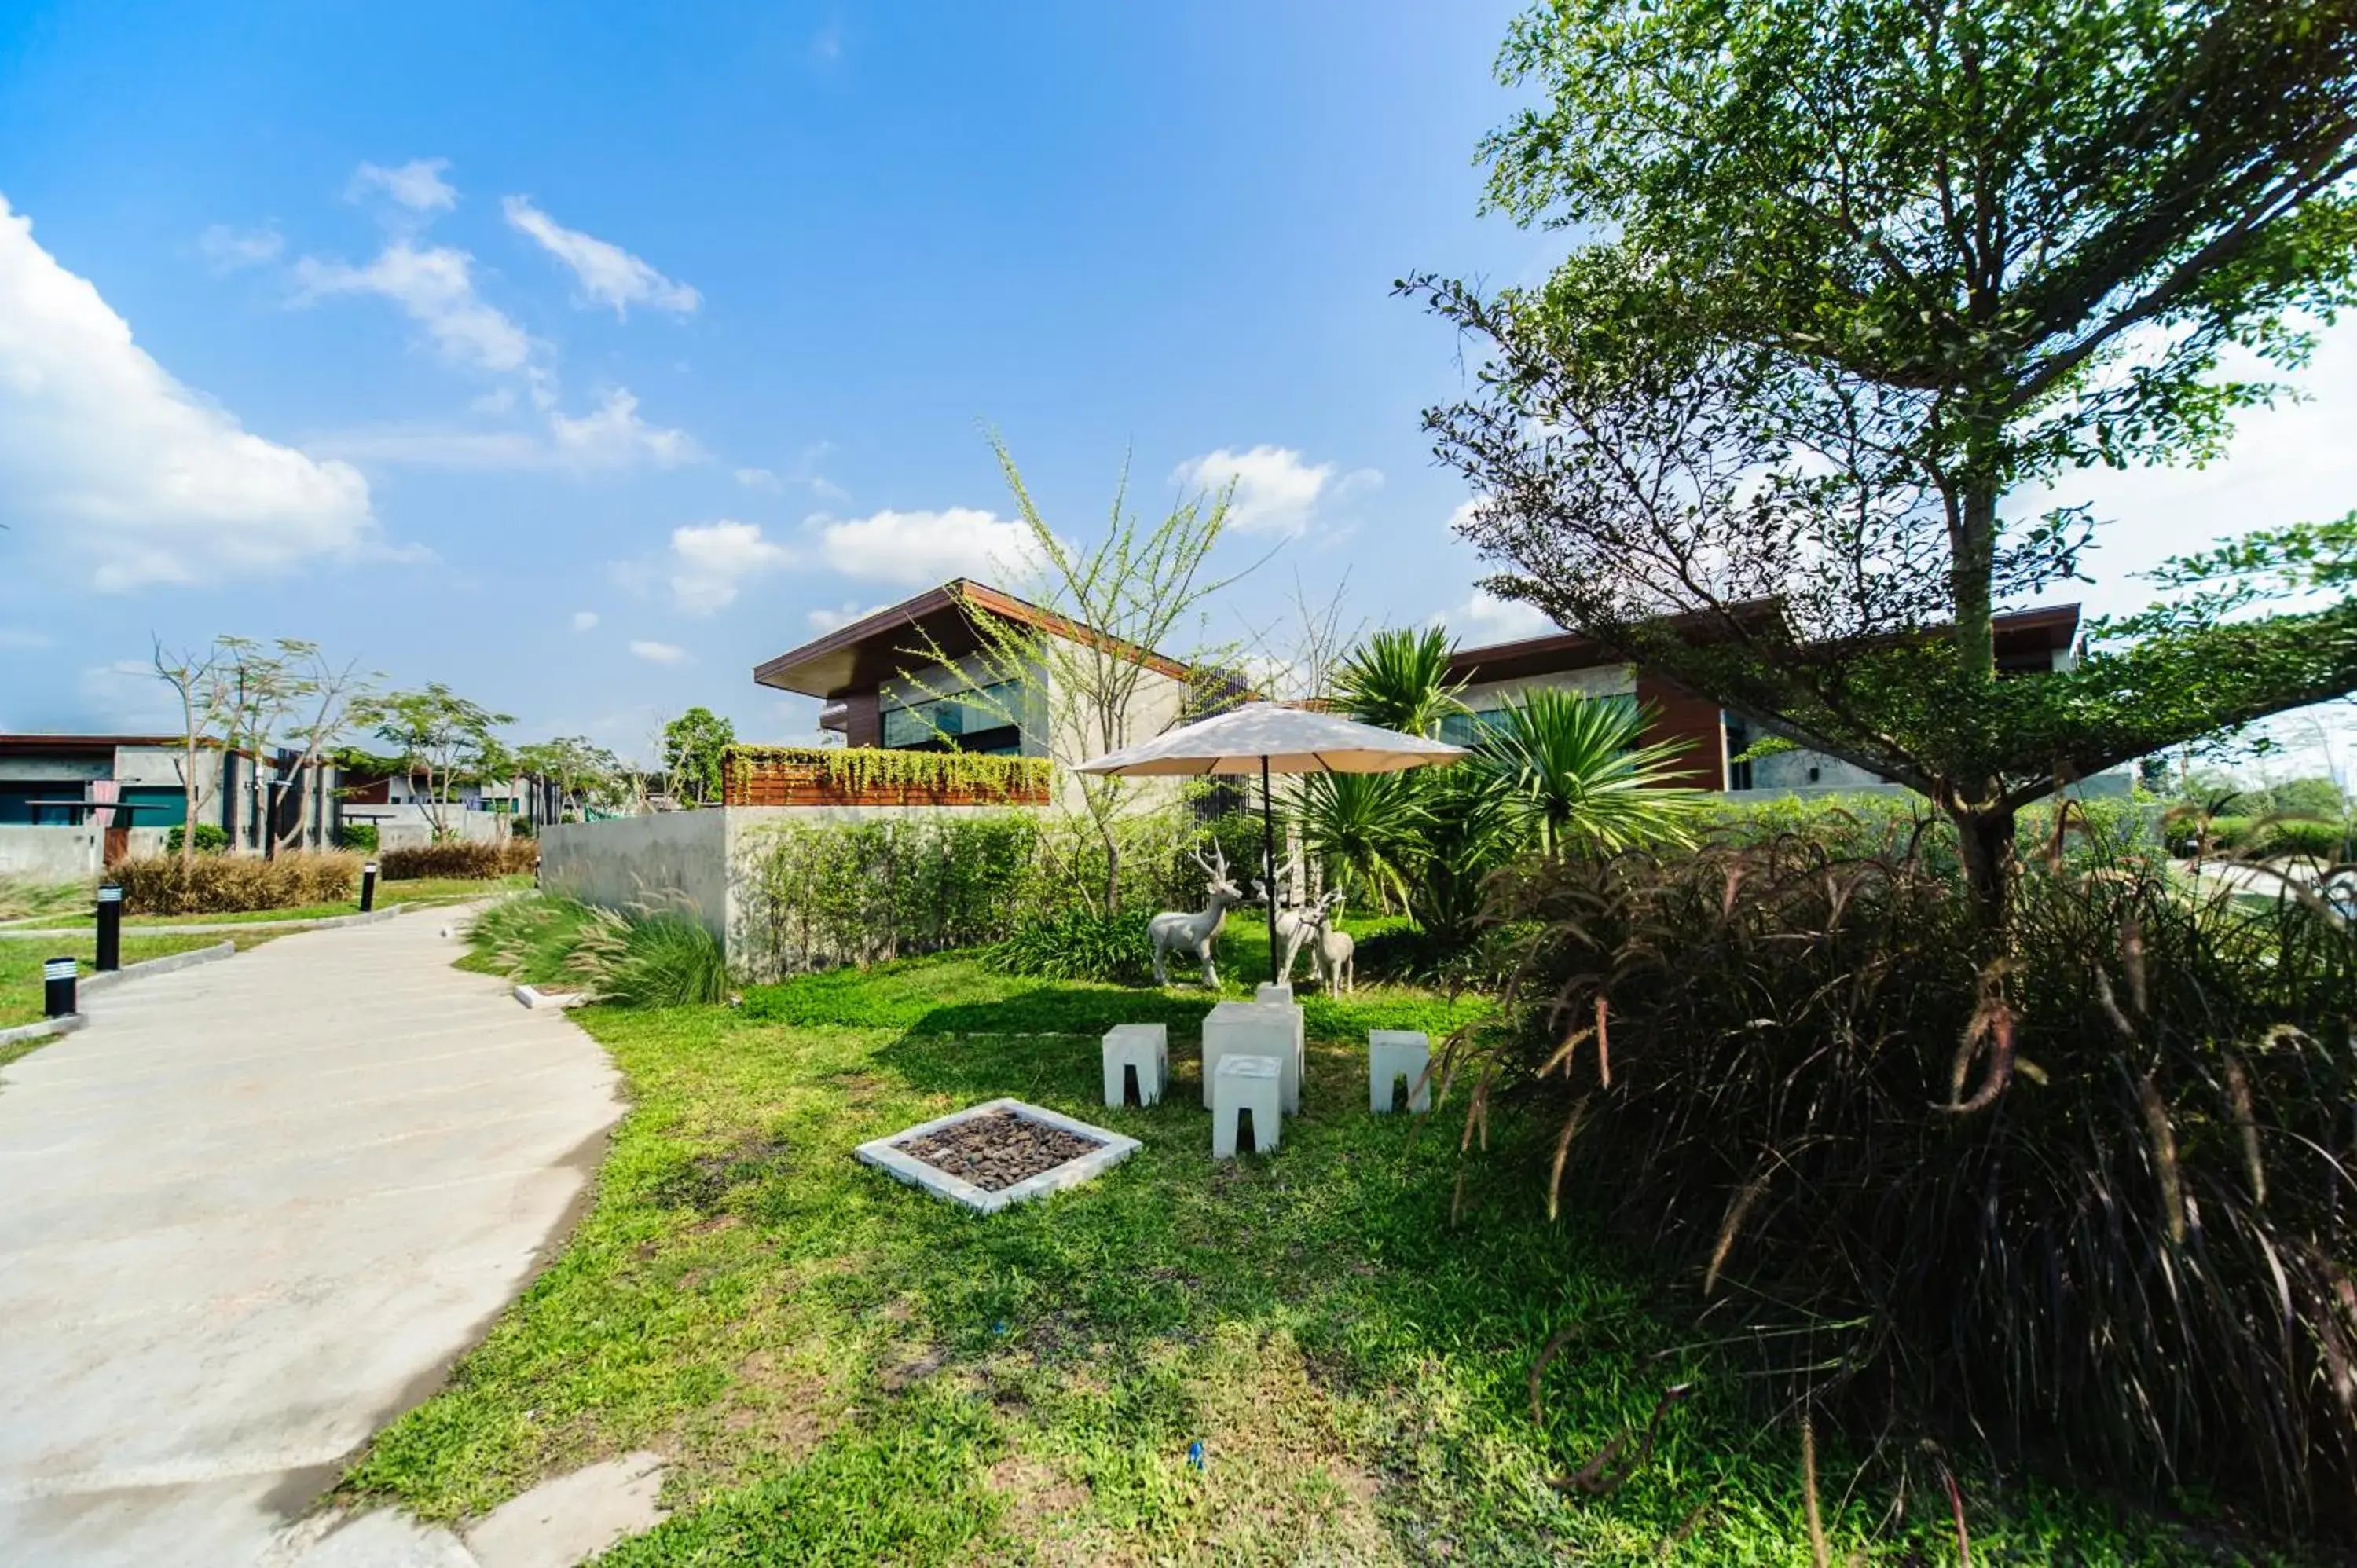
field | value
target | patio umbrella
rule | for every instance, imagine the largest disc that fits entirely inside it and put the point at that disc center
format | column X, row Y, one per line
column 1271, row 738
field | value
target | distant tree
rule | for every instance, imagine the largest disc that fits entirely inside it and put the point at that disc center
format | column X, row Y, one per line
column 582, row 772
column 435, row 733
column 253, row 698
column 1854, row 282
column 2318, row 797
column 692, row 748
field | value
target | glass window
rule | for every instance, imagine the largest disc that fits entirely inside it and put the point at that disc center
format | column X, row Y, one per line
column 981, row 713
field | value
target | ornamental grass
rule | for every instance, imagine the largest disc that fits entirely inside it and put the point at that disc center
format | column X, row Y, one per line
column 2086, row 1204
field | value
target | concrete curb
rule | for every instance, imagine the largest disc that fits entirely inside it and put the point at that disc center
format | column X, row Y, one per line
column 44, row 1029
column 532, row 996
column 165, row 965
column 885, row 1156
column 214, row 927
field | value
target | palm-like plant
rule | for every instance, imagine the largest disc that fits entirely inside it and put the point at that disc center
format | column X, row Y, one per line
column 1399, row 679
column 1368, row 828
column 1576, row 772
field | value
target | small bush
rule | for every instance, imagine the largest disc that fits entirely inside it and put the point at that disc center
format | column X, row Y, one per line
column 212, row 839
column 232, row 884
column 358, row 837
column 1079, row 944
column 461, row 858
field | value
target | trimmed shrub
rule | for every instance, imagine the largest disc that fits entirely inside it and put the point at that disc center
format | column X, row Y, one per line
column 232, row 884
column 2303, row 836
column 1079, row 944
column 461, row 858
column 2090, row 1206
column 212, row 839
column 361, row 838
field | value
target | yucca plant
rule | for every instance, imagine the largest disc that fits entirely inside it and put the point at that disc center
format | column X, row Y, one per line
column 1368, row 831
column 1399, row 679
column 1579, row 773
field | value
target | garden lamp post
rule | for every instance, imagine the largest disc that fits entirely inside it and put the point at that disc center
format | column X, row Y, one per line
column 1267, row 738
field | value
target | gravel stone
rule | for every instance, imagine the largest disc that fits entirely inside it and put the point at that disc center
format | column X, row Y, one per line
column 995, row 1151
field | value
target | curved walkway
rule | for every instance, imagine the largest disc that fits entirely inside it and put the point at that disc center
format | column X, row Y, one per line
column 254, row 1212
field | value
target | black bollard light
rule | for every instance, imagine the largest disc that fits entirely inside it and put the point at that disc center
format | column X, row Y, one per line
column 58, row 987
column 110, row 928
column 368, row 887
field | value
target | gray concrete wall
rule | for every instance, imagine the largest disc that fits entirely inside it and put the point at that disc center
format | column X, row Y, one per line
column 675, row 860
column 58, row 854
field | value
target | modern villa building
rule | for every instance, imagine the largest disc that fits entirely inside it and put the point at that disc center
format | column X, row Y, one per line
column 70, row 804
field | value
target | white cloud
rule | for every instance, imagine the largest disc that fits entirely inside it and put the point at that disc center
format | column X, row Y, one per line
column 499, row 400
column 1276, row 491
column 611, row 437
column 417, row 185
column 660, row 652
column 1486, row 618
column 614, row 436
column 229, row 249
column 101, row 450
column 919, row 549
column 710, row 562
column 824, row 621
column 608, row 274
column 436, row 287
column 759, row 480
column 585, row 620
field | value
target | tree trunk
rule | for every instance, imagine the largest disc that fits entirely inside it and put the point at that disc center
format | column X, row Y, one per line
column 1984, row 840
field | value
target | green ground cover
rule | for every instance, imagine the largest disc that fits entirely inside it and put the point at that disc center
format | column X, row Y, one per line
column 20, row 963
column 843, row 1369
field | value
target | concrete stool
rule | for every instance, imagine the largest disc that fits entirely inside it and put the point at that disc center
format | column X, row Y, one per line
column 1267, row 993
column 1258, row 1029
column 1145, row 1046
column 1245, row 1083
column 1394, row 1054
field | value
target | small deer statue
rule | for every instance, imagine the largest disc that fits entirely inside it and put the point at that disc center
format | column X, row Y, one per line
column 1197, row 934
column 1292, row 930
column 1329, row 948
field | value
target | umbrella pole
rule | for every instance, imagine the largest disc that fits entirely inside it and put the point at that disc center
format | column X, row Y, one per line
column 1268, row 840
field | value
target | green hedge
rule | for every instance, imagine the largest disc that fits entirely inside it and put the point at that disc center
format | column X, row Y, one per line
column 863, row 892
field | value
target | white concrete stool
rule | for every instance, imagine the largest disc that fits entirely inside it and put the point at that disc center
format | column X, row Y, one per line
column 1245, row 1083
column 1394, row 1054
column 1145, row 1046
column 1268, row 992
column 1258, row 1029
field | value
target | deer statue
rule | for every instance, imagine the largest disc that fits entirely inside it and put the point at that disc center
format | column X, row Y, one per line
column 1329, row 948
column 1292, row 930
column 1199, row 933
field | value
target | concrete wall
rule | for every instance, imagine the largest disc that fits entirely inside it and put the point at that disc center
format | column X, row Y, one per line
column 673, row 860
column 699, row 863
column 57, row 854
column 1601, row 681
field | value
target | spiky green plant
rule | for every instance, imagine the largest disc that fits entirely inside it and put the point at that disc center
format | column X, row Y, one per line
column 1367, row 829
column 1578, row 774
column 1399, row 679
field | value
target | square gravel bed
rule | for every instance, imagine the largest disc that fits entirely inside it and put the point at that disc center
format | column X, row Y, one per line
column 1001, row 1152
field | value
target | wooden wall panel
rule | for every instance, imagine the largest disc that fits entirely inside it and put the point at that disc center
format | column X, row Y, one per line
column 1679, row 715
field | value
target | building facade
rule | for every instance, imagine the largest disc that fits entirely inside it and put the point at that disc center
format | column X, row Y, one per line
column 72, row 804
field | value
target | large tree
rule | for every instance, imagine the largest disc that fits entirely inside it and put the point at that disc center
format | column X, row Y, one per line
column 1854, row 281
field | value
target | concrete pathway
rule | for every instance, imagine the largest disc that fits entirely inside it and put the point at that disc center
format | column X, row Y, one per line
column 252, row 1213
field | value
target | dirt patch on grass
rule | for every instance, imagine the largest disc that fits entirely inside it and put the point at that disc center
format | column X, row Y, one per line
column 705, row 1183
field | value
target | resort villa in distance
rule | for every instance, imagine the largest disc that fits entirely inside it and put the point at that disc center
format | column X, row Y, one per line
column 892, row 681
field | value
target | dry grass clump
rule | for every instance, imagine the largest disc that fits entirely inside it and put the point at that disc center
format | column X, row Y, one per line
column 460, row 858
column 2086, row 1199
column 232, row 884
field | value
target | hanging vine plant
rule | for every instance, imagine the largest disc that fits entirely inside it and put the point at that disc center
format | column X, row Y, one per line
column 858, row 769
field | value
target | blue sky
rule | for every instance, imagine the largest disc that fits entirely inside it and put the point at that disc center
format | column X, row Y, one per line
column 582, row 356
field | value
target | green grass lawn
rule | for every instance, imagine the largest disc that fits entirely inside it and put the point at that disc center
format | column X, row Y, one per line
column 844, row 1369
column 20, row 964
column 423, row 893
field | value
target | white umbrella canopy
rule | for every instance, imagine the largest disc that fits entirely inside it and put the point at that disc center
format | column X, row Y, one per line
column 1266, row 738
